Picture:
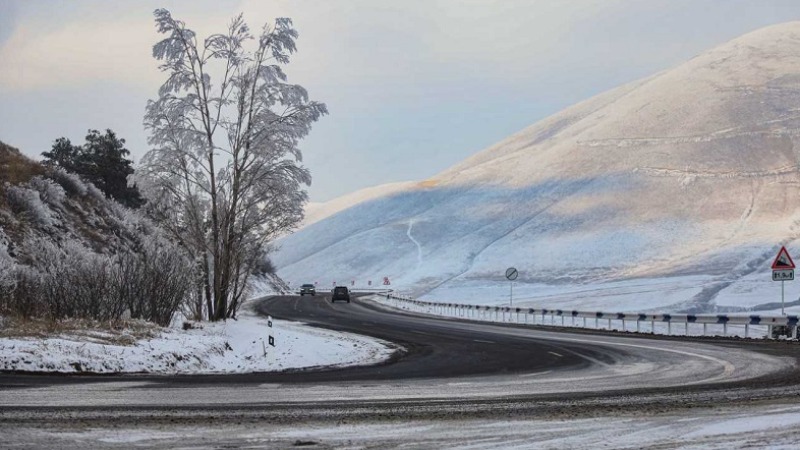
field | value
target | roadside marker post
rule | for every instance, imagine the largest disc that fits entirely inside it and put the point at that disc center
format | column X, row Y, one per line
column 783, row 270
column 271, row 336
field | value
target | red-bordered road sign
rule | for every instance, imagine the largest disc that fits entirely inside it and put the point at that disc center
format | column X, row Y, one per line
column 783, row 260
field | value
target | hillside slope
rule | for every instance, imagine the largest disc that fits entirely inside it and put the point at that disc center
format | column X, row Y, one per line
column 39, row 202
column 687, row 178
column 68, row 252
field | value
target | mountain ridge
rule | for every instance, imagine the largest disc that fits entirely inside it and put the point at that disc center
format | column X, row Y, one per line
column 689, row 172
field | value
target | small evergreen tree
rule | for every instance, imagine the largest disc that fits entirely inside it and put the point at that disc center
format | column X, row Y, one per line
column 102, row 161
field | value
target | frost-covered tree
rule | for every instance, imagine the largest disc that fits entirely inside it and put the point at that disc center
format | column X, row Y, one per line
column 225, row 174
column 102, row 161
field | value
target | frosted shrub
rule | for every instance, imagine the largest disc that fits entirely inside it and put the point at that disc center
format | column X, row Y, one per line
column 75, row 185
column 4, row 240
column 7, row 278
column 71, row 183
column 25, row 297
column 154, row 282
column 58, row 283
column 94, row 193
column 50, row 192
column 71, row 281
column 27, row 201
column 130, row 222
column 80, row 285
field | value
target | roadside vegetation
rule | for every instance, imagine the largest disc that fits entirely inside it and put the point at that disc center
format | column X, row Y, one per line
column 68, row 251
column 86, row 237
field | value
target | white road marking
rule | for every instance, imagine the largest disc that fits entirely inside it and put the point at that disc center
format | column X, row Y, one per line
column 535, row 374
column 485, row 342
column 556, row 354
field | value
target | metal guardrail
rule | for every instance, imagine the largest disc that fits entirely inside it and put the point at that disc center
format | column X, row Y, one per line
column 644, row 323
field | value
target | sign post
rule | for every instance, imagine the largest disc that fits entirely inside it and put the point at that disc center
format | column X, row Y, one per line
column 271, row 337
column 511, row 275
column 783, row 270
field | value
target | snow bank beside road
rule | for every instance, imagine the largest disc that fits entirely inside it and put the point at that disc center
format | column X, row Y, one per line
column 230, row 347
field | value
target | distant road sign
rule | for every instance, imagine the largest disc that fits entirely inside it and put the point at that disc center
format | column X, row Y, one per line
column 386, row 281
column 512, row 273
column 783, row 275
column 783, row 260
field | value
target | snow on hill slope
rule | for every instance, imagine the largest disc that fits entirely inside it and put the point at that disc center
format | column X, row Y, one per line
column 670, row 192
column 315, row 212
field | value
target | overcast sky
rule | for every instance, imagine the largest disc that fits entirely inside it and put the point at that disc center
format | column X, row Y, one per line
column 412, row 86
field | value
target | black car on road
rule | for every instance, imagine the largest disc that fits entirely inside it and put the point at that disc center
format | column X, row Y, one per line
column 308, row 289
column 340, row 293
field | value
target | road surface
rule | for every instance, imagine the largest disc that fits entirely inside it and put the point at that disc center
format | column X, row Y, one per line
column 443, row 370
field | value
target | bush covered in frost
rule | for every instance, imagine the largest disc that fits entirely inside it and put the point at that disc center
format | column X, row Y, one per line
column 7, row 278
column 153, row 283
column 49, row 191
column 70, row 182
column 67, row 251
column 71, row 281
column 26, row 201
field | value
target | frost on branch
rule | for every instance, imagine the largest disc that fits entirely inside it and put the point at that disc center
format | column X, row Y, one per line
column 49, row 191
column 224, row 175
column 71, row 183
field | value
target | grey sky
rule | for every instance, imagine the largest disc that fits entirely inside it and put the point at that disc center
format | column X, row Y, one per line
column 413, row 86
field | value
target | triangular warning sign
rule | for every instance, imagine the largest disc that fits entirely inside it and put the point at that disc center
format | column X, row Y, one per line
column 783, row 260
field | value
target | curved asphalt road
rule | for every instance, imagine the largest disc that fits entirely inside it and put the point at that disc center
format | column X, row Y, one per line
column 503, row 358
column 428, row 348
column 447, row 369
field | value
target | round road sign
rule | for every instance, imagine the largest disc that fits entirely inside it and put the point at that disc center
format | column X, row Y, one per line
column 511, row 273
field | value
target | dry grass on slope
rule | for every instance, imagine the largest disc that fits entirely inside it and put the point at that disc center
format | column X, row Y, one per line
column 120, row 332
column 15, row 168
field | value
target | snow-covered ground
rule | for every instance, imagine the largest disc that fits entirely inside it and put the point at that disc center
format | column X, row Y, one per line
column 755, row 293
column 235, row 346
column 767, row 426
column 670, row 193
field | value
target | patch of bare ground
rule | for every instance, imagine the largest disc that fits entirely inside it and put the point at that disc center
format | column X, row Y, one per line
column 122, row 332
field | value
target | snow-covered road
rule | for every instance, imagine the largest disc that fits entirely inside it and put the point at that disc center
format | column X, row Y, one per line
column 773, row 427
column 626, row 392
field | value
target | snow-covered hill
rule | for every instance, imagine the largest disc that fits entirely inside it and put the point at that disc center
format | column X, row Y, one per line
column 671, row 192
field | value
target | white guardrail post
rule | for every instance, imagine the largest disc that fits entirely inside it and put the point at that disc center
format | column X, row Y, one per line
column 788, row 325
